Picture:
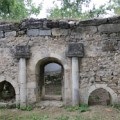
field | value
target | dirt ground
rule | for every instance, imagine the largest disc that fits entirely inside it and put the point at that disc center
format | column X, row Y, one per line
column 55, row 113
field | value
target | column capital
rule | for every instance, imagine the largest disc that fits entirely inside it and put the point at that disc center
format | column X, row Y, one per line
column 75, row 50
column 22, row 51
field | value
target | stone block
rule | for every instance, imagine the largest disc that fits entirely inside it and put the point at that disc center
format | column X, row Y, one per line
column 88, row 29
column 37, row 32
column 33, row 32
column 92, row 22
column 59, row 32
column 5, row 27
column 34, row 25
column 22, row 52
column 75, row 50
column 45, row 32
column 52, row 24
column 64, row 25
column 1, row 34
column 109, row 28
column 10, row 34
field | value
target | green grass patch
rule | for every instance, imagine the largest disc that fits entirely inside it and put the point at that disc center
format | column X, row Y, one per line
column 62, row 118
column 117, row 106
column 81, row 108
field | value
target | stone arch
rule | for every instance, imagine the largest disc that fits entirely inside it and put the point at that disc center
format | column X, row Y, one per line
column 40, row 72
column 33, row 66
column 113, row 95
column 14, row 84
column 51, row 55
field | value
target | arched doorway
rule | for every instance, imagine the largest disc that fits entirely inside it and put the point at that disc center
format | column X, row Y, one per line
column 49, row 73
column 7, row 92
column 99, row 97
column 113, row 95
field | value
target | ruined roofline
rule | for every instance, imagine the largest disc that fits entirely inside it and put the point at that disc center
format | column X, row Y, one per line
column 49, row 24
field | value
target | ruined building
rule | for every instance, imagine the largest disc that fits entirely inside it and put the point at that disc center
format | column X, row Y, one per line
column 87, row 51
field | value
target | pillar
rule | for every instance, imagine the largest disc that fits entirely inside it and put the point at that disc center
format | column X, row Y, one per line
column 75, row 81
column 75, row 51
column 22, row 81
column 22, row 53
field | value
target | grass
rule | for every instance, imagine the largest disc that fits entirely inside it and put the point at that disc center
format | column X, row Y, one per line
column 117, row 106
column 62, row 118
column 68, row 113
column 81, row 108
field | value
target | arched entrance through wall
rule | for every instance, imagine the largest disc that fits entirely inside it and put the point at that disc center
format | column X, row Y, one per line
column 7, row 92
column 113, row 95
column 99, row 97
column 49, row 75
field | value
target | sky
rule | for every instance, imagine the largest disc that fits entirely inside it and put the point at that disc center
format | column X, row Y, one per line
column 47, row 4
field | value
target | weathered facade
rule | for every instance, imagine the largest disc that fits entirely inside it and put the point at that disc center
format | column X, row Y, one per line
column 88, row 51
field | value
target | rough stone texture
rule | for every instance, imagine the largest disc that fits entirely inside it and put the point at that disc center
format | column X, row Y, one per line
column 45, row 32
column 8, row 34
column 22, row 52
column 60, row 32
column 109, row 28
column 1, row 34
column 75, row 50
column 99, row 68
column 33, row 32
column 38, row 32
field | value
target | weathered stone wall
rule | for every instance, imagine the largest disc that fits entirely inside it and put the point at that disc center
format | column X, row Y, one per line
column 99, row 68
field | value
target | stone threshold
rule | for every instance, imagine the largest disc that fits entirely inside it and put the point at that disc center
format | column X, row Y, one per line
column 7, row 105
column 49, row 103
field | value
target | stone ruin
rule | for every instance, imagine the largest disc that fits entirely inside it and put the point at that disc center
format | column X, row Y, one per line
column 88, row 51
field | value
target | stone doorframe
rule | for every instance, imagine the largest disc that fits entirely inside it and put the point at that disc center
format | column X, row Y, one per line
column 113, row 95
column 66, row 80
column 14, row 84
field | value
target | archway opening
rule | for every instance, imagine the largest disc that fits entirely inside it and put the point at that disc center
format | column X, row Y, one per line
column 50, row 79
column 99, row 97
column 7, row 92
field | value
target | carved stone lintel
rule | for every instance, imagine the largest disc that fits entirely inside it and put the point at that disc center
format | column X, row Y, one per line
column 22, row 52
column 75, row 50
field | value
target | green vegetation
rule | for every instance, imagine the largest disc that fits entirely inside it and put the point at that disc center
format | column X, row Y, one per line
column 44, row 117
column 69, row 9
column 62, row 118
column 53, row 113
column 25, row 108
column 81, row 108
column 28, row 108
column 82, row 9
column 117, row 106
column 18, row 9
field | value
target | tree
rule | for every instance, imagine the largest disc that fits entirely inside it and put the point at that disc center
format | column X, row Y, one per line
column 68, row 9
column 95, row 12
column 114, row 5
column 17, row 9
column 76, row 9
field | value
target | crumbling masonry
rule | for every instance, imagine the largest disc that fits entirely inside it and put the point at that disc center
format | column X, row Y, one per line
column 88, row 51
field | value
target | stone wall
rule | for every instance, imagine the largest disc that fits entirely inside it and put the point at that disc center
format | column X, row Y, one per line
column 99, row 68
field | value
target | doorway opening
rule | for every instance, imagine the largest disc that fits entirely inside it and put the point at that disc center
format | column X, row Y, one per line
column 99, row 97
column 7, row 92
column 50, row 79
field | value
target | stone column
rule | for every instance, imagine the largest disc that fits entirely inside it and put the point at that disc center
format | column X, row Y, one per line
column 22, row 53
column 75, row 81
column 22, row 81
column 75, row 51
